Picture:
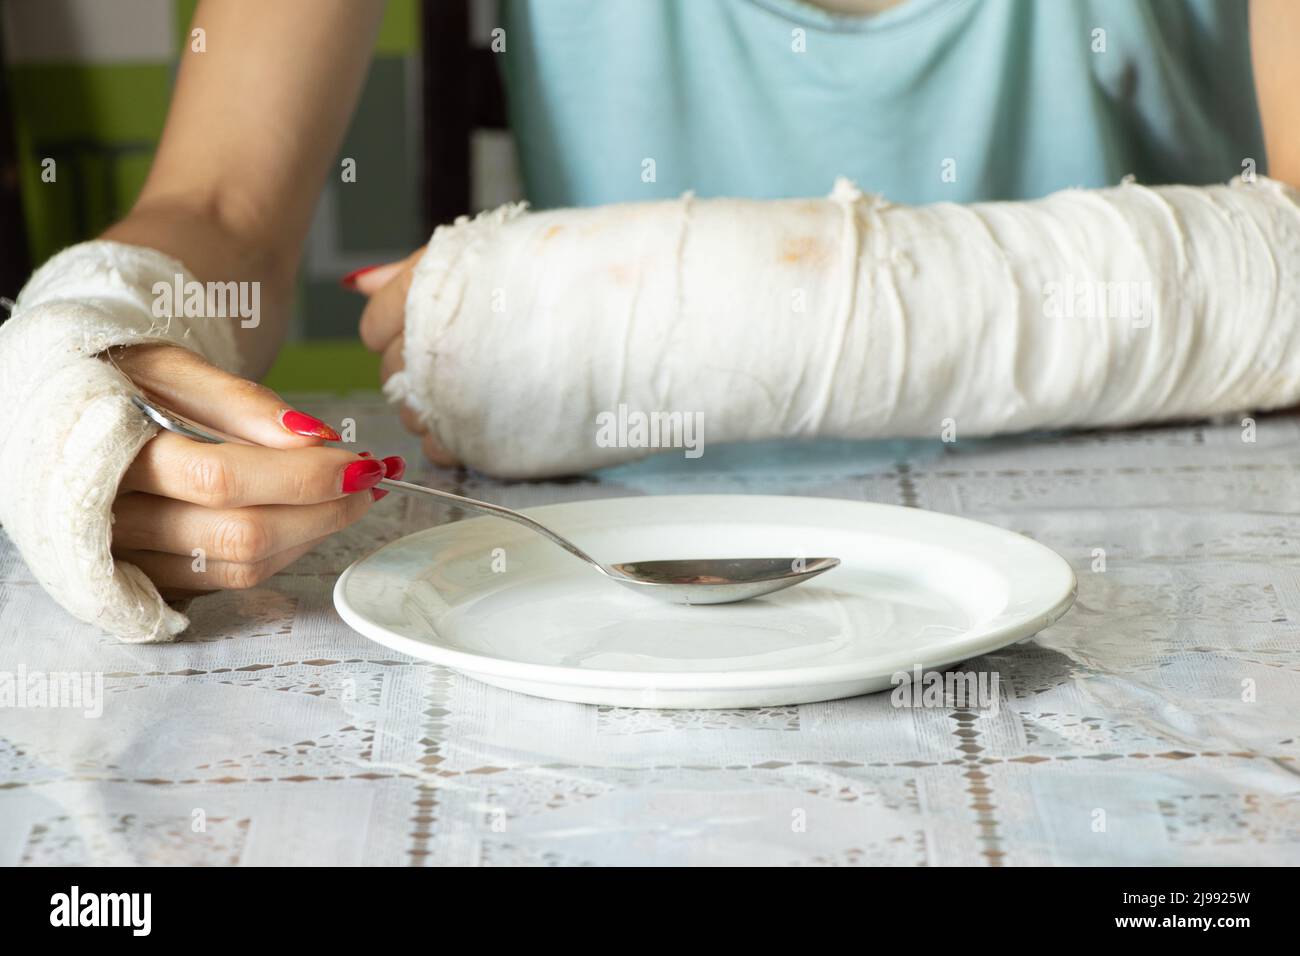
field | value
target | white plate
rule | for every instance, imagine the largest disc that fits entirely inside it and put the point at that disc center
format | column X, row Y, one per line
column 916, row 588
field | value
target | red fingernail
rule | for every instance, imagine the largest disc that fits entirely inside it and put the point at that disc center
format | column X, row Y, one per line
column 394, row 467
column 300, row 424
column 361, row 475
column 365, row 454
column 349, row 281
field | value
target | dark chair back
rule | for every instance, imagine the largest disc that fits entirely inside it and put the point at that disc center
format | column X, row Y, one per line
column 15, row 261
column 462, row 93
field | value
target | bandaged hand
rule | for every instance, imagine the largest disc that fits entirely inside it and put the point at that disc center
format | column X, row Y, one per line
column 105, row 510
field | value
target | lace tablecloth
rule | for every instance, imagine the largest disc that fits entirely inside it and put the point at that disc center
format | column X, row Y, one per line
column 1155, row 723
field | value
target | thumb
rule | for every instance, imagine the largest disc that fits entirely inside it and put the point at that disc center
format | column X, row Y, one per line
column 187, row 384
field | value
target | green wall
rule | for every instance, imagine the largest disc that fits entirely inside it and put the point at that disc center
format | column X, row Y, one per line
column 101, row 122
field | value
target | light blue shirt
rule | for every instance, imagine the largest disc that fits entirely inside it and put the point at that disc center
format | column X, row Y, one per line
column 959, row 100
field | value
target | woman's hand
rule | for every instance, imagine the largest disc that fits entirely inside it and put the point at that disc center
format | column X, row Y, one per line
column 249, row 511
column 382, row 325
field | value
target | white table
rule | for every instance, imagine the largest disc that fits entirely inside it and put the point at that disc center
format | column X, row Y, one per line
column 1158, row 722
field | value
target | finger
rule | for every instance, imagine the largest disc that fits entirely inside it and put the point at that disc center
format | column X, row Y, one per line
column 174, row 572
column 143, row 522
column 437, row 454
column 394, row 467
column 390, row 363
column 184, row 382
column 385, row 312
column 239, row 476
column 410, row 420
column 177, row 594
column 371, row 279
column 393, row 360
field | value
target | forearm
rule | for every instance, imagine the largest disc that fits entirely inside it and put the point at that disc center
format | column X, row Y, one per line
column 851, row 317
column 251, row 135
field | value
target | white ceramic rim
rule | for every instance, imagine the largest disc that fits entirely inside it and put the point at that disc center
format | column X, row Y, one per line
column 1045, row 595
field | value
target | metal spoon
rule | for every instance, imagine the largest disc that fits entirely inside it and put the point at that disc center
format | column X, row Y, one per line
column 686, row 581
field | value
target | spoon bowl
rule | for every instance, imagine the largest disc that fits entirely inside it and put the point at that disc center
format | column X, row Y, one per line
column 717, row 580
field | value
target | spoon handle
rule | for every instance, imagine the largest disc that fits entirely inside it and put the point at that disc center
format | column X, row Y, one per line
column 498, row 511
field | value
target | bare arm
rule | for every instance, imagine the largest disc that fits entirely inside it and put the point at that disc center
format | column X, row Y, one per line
column 252, row 132
column 1275, row 52
column 254, row 126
